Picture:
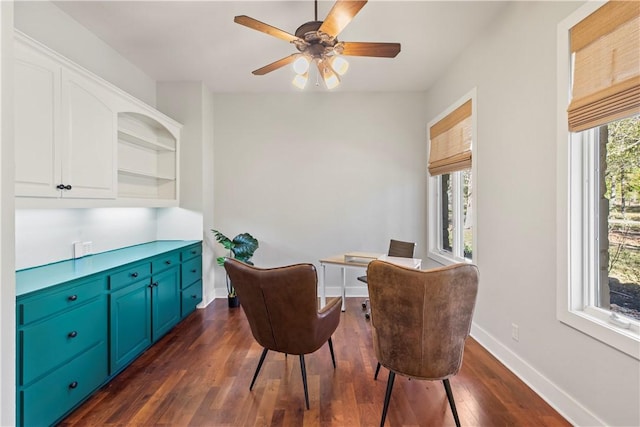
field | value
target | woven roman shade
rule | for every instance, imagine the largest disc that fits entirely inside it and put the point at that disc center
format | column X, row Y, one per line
column 451, row 142
column 606, row 69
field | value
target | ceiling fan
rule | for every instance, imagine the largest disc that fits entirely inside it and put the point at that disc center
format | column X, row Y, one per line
column 317, row 42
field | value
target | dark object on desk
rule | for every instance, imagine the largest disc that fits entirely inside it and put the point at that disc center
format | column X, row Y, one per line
column 281, row 305
column 420, row 320
column 397, row 248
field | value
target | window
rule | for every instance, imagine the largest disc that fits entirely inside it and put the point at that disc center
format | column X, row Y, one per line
column 599, row 173
column 450, row 190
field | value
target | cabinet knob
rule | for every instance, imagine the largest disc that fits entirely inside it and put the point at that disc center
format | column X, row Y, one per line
column 194, row 270
column 60, row 186
column 194, row 296
column 67, row 187
column 73, row 334
column 134, row 274
column 73, row 384
column 193, row 252
column 72, row 297
column 154, row 284
column 167, row 262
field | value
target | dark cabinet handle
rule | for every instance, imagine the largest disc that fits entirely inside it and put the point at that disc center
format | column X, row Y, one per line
column 73, row 384
column 72, row 297
column 194, row 296
column 193, row 252
column 167, row 262
column 67, row 187
column 155, row 284
column 194, row 270
column 134, row 274
column 73, row 334
column 60, row 186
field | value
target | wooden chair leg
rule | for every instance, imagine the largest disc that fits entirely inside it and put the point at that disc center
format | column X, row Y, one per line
column 304, row 380
column 333, row 357
column 387, row 396
column 264, row 354
column 375, row 377
column 447, row 388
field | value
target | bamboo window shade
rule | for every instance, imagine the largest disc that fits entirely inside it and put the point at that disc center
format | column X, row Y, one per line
column 450, row 148
column 606, row 68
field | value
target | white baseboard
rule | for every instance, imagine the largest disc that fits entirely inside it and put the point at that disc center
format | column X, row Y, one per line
column 558, row 399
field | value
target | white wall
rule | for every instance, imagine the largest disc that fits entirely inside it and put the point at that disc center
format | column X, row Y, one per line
column 46, row 23
column 191, row 104
column 7, row 265
column 513, row 66
column 317, row 174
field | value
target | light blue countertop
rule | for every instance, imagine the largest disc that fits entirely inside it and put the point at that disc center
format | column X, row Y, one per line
column 37, row 278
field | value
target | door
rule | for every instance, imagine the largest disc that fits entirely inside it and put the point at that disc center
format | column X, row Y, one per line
column 166, row 301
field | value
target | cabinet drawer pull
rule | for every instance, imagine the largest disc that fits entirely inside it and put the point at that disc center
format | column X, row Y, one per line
column 167, row 262
column 194, row 296
column 194, row 270
column 60, row 186
column 72, row 297
column 134, row 274
column 193, row 252
column 67, row 187
column 73, row 334
column 73, row 384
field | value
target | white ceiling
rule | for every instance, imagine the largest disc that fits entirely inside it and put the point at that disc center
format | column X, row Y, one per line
column 198, row 40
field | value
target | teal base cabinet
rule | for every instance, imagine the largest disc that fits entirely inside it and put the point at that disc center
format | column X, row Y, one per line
column 79, row 323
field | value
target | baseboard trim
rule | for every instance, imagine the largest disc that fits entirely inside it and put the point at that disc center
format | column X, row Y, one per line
column 574, row 412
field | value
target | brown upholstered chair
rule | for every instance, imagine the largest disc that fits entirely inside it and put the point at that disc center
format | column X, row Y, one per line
column 397, row 248
column 281, row 305
column 420, row 320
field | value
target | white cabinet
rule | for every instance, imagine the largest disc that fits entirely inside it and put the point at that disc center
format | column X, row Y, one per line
column 65, row 131
column 82, row 142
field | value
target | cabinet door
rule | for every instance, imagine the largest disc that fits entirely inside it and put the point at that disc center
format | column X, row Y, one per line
column 130, row 333
column 90, row 129
column 36, row 124
column 166, row 301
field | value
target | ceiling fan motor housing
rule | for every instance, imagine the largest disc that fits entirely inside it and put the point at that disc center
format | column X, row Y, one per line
column 314, row 42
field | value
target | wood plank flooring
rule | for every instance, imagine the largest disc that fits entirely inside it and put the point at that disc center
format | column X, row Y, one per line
column 199, row 375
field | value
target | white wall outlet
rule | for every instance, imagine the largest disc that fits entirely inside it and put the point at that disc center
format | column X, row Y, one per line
column 515, row 332
column 87, row 248
column 78, row 250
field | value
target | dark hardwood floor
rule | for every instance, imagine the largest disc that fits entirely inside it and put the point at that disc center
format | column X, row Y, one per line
column 199, row 375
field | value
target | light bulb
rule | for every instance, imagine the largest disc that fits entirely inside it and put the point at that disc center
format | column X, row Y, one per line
column 300, row 80
column 301, row 65
column 339, row 65
column 330, row 78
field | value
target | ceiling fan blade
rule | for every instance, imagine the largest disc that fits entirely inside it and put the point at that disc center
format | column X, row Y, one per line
column 340, row 15
column 265, row 28
column 275, row 65
column 381, row 50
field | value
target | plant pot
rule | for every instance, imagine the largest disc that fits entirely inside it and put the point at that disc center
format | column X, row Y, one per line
column 234, row 302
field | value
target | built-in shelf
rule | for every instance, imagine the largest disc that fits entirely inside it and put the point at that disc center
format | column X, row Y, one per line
column 133, row 138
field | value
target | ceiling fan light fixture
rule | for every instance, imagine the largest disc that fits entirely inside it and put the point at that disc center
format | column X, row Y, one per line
column 331, row 79
column 301, row 64
column 300, row 80
column 339, row 65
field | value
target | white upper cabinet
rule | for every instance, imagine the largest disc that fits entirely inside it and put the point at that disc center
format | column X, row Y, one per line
column 82, row 142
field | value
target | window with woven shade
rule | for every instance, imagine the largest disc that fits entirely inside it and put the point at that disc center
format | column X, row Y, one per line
column 450, row 142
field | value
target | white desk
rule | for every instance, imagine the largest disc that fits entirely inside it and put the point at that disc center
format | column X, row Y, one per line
column 357, row 260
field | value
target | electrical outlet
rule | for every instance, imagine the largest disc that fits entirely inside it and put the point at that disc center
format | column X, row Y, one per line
column 515, row 332
column 87, row 248
column 78, row 250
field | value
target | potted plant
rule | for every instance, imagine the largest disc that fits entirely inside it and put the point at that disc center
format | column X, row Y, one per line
column 241, row 248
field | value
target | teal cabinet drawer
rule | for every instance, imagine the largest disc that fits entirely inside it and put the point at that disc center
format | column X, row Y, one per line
column 48, row 344
column 191, row 297
column 191, row 271
column 191, row 252
column 34, row 308
column 164, row 262
column 129, row 275
column 50, row 398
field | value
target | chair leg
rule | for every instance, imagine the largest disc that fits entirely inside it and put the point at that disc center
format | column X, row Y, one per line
column 304, row 380
column 375, row 377
column 333, row 357
column 447, row 388
column 264, row 354
column 387, row 396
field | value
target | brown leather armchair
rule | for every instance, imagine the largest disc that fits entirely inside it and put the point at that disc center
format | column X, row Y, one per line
column 420, row 320
column 281, row 305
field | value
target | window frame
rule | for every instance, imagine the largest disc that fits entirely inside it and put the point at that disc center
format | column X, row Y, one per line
column 435, row 251
column 577, row 216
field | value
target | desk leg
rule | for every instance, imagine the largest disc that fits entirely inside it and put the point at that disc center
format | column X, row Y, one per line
column 323, row 289
column 344, row 287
